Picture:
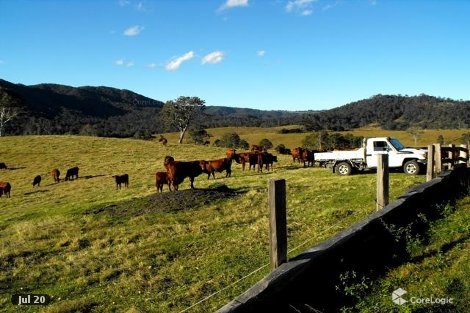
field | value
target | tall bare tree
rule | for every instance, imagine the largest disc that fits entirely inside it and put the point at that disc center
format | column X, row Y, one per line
column 181, row 112
column 8, row 108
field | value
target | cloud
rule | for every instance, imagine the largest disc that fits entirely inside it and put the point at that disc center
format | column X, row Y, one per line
column 123, row 3
column 302, row 7
column 233, row 3
column 2, row 62
column 152, row 66
column 213, row 57
column 174, row 64
column 123, row 62
column 119, row 62
column 130, row 64
column 261, row 53
column 133, row 31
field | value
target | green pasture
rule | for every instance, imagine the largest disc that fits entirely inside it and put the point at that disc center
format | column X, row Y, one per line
column 97, row 249
column 255, row 134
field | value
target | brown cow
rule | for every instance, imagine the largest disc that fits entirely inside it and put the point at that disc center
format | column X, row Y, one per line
column 161, row 178
column 5, row 188
column 55, row 173
column 163, row 140
column 220, row 165
column 297, row 154
column 121, row 179
column 266, row 159
column 177, row 171
column 37, row 181
column 242, row 158
column 308, row 158
column 231, row 153
column 255, row 148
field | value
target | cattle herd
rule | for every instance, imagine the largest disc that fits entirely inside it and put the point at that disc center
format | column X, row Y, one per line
column 71, row 174
column 177, row 171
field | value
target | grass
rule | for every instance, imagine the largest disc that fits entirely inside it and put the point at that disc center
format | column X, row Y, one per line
column 97, row 249
column 255, row 134
column 439, row 267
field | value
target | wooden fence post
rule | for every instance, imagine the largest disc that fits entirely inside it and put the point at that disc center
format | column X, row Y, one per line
column 277, row 222
column 437, row 159
column 464, row 154
column 382, row 181
column 430, row 165
column 450, row 156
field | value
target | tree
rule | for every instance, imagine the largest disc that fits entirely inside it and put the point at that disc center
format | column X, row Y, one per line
column 416, row 133
column 265, row 144
column 180, row 112
column 199, row 136
column 8, row 108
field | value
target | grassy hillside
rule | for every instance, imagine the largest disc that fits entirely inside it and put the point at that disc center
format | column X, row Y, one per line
column 94, row 248
column 254, row 135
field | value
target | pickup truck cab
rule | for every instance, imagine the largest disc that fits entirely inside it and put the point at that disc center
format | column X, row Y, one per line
column 343, row 162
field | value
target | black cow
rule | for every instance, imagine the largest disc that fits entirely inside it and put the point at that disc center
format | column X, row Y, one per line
column 71, row 173
column 121, row 179
column 37, row 181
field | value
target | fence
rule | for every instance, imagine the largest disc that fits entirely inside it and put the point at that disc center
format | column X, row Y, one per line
column 307, row 282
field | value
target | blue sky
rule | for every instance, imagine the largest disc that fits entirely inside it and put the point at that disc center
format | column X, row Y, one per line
column 264, row 54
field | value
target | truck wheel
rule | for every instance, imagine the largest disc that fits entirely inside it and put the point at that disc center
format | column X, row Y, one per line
column 411, row 167
column 343, row 168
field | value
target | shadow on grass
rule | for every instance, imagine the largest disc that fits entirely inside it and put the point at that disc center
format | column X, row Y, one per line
column 36, row 191
column 170, row 202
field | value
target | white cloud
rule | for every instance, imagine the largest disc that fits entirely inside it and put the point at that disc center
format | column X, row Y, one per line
column 213, row 57
column 133, row 31
column 152, row 65
column 119, row 62
column 233, row 3
column 302, row 7
column 130, row 64
column 123, row 3
column 261, row 53
column 174, row 64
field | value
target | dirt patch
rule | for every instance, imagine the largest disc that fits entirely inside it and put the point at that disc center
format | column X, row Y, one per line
column 168, row 201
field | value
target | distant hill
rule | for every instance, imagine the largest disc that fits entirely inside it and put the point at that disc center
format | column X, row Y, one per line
column 105, row 111
column 394, row 113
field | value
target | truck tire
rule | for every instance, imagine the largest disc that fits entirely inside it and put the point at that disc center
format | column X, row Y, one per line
column 411, row 167
column 343, row 168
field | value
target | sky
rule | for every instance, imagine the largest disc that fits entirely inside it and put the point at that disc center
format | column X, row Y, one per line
column 261, row 54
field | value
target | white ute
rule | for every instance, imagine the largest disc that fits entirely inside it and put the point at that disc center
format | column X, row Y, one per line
column 343, row 162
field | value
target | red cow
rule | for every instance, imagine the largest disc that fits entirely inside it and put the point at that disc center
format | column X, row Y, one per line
column 308, row 158
column 5, row 188
column 210, row 167
column 161, row 178
column 55, row 173
column 255, row 148
column 177, row 171
column 297, row 154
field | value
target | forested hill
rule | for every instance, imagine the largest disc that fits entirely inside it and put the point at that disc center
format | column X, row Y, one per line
column 105, row 111
column 59, row 109
column 394, row 112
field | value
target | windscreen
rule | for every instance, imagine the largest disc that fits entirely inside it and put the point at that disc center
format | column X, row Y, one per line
column 397, row 144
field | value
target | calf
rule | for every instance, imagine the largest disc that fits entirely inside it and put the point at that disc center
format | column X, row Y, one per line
column 72, row 173
column 210, row 167
column 37, row 181
column 5, row 188
column 161, row 178
column 177, row 171
column 3, row 166
column 121, row 179
column 55, row 173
